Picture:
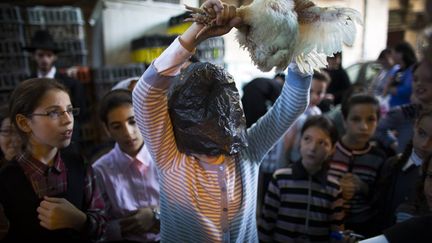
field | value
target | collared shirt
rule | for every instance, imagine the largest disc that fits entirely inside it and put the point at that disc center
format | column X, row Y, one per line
column 414, row 159
column 50, row 74
column 52, row 180
column 129, row 184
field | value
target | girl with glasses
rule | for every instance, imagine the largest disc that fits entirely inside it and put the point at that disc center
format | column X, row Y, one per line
column 54, row 197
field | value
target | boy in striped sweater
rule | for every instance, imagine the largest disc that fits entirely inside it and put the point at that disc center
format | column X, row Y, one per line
column 302, row 204
column 356, row 163
column 208, row 196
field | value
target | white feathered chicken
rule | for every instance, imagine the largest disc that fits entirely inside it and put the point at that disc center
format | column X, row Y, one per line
column 279, row 30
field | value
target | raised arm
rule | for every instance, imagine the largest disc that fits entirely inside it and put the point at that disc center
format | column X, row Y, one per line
column 149, row 95
column 291, row 103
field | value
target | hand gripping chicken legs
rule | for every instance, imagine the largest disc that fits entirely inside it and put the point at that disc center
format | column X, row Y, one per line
column 278, row 31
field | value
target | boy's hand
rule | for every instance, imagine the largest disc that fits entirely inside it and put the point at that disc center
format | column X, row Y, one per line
column 348, row 187
column 141, row 220
column 58, row 213
column 360, row 186
column 352, row 184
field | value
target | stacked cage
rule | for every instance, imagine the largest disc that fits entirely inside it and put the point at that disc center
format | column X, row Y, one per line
column 14, row 65
column 211, row 50
column 148, row 48
column 66, row 25
column 106, row 77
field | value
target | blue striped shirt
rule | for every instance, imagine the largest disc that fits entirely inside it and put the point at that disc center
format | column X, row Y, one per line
column 202, row 202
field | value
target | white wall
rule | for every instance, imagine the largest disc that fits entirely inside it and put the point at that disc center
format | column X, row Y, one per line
column 376, row 28
column 126, row 20
column 372, row 36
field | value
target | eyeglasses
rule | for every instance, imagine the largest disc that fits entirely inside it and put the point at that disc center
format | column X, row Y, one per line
column 56, row 114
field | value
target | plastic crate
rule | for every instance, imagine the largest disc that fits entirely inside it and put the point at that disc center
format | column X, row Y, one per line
column 147, row 55
column 105, row 78
column 72, row 46
column 11, row 47
column 215, row 42
column 147, row 48
column 176, row 24
column 69, row 59
column 4, row 96
column 116, row 73
column 14, row 62
column 10, row 14
column 58, row 32
column 211, row 50
column 11, row 31
column 54, row 16
column 8, row 81
column 210, row 55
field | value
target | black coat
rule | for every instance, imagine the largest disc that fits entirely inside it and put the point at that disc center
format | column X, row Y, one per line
column 258, row 94
column 417, row 229
column 20, row 202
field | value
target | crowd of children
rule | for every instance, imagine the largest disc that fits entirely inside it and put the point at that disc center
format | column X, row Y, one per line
column 185, row 167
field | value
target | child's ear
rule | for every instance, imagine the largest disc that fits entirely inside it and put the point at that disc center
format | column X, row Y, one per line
column 23, row 123
column 105, row 130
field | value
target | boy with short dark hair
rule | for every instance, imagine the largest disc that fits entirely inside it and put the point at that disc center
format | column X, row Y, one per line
column 127, row 174
column 356, row 162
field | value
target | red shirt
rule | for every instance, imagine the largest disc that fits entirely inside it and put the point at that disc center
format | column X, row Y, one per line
column 52, row 180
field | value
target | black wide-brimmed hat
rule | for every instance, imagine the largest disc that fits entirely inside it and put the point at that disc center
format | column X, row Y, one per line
column 42, row 39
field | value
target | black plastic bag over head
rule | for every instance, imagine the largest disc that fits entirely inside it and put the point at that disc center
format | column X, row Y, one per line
column 205, row 111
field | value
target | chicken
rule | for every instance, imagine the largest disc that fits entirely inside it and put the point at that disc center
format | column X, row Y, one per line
column 278, row 31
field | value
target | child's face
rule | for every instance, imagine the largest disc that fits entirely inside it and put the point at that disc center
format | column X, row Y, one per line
column 52, row 131
column 428, row 185
column 315, row 147
column 317, row 92
column 422, row 137
column 361, row 123
column 422, row 83
column 397, row 57
column 44, row 59
column 124, row 129
column 10, row 142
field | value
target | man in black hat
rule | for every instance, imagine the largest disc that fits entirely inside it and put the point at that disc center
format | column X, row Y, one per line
column 44, row 51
